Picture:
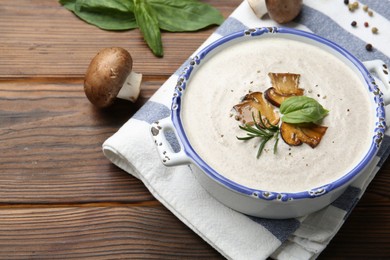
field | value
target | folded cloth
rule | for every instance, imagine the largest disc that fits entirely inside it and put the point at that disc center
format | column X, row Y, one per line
column 235, row 235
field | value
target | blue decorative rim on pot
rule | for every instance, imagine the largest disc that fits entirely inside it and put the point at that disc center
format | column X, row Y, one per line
column 378, row 133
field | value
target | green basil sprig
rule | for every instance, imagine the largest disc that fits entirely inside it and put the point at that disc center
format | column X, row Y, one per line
column 187, row 15
column 108, row 15
column 148, row 25
column 150, row 16
column 302, row 109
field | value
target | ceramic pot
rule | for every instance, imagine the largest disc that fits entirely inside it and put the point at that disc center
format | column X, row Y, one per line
column 268, row 203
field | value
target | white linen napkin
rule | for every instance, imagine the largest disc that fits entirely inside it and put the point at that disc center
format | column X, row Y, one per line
column 235, row 235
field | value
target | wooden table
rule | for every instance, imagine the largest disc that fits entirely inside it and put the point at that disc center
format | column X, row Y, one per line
column 59, row 196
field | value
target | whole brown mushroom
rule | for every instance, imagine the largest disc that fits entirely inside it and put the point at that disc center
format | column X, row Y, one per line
column 110, row 76
column 283, row 11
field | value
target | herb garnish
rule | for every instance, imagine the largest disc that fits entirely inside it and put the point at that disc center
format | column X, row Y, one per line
column 299, row 117
column 302, row 109
column 150, row 16
column 261, row 130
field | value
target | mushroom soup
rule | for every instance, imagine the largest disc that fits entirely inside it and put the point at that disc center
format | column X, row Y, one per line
column 228, row 75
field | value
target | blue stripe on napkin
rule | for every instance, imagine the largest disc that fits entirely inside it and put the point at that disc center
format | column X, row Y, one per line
column 280, row 228
column 151, row 112
column 348, row 199
column 324, row 26
column 229, row 26
column 380, row 7
column 172, row 140
column 384, row 150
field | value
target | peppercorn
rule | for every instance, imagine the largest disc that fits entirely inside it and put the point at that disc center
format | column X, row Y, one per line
column 374, row 30
column 369, row 47
column 354, row 23
column 365, row 24
column 370, row 13
column 346, row 2
column 353, row 6
column 365, row 8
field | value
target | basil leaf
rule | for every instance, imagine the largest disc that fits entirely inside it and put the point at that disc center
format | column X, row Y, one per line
column 149, row 26
column 185, row 15
column 302, row 109
column 149, row 15
column 107, row 15
column 68, row 4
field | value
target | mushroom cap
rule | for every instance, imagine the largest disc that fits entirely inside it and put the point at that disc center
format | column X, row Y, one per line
column 106, row 75
column 283, row 11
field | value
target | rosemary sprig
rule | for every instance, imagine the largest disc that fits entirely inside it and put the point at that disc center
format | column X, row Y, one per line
column 261, row 130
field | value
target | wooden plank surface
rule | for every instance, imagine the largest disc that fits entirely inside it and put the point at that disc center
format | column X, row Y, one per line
column 53, row 137
column 98, row 233
column 41, row 38
column 59, row 196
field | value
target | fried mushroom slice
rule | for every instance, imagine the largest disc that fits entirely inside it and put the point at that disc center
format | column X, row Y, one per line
column 286, row 84
column 295, row 135
column 274, row 98
column 250, row 107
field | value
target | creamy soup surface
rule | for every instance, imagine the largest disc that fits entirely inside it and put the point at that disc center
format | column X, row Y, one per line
column 227, row 76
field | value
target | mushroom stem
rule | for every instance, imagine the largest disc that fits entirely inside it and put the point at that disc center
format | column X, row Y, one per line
column 131, row 88
column 259, row 7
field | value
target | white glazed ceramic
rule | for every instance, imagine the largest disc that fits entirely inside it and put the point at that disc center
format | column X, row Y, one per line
column 264, row 203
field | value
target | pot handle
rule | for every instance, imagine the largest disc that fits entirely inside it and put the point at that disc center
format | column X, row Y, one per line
column 382, row 72
column 168, row 155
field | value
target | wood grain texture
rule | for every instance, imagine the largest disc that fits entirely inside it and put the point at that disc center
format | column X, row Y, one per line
column 53, row 136
column 60, row 198
column 98, row 233
column 41, row 38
